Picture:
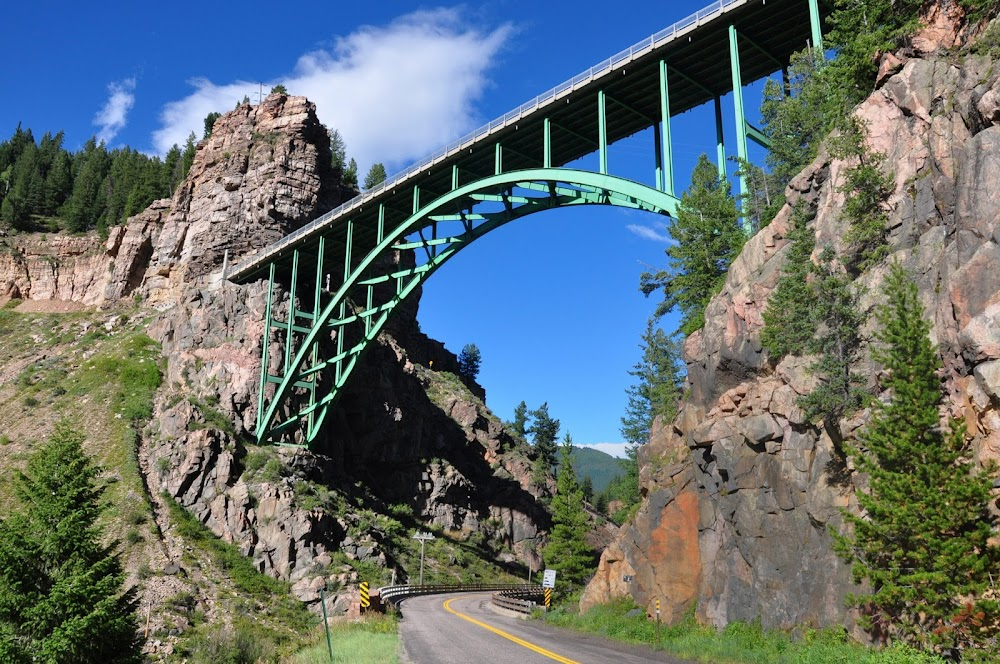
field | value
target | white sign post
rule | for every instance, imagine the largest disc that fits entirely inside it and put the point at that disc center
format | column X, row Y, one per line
column 549, row 579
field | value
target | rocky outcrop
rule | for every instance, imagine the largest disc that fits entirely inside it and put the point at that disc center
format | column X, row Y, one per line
column 765, row 486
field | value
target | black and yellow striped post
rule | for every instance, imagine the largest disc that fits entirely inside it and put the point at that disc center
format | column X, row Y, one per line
column 548, row 598
column 365, row 597
column 657, row 619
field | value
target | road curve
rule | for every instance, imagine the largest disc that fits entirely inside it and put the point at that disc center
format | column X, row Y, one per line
column 463, row 628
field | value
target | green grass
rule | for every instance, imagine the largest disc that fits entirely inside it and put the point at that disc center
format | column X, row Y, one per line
column 370, row 641
column 270, row 593
column 738, row 643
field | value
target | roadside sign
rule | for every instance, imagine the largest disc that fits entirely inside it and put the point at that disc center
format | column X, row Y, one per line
column 365, row 599
column 548, row 597
column 549, row 579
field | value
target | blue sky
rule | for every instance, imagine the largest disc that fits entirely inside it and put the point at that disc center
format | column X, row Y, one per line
column 552, row 301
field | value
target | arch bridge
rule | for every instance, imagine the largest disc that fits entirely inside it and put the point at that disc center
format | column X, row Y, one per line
column 340, row 274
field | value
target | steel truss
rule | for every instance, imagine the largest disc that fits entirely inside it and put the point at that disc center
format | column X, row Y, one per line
column 311, row 376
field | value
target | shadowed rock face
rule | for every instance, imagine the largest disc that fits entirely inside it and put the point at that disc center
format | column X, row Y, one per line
column 764, row 484
column 264, row 172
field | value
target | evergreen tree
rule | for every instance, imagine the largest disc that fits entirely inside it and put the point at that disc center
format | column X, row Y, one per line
column 544, row 432
column 171, row 171
column 350, row 178
column 708, row 237
column 837, row 346
column 658, row 387
column 210, row 123
column 587, row 488
column 468, row 361
column 279, row 89
column 519, row 425
column 789, row 318
column 338, row 153
column 61, row 591
column 625, row 487
column 187, row 156
column 567, row 551
column 376, row 175
column 88, row 201
column 923, row 540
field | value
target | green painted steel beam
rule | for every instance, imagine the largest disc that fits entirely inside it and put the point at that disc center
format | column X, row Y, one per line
column 587, row 188
column 291, row 309
column 758, row 137
column 665, row 152
column 720, row 140
column 741, row 118
column 265, row 344
column 547, row 143
column 602, row 132
column 497, row 160
column 815, row 26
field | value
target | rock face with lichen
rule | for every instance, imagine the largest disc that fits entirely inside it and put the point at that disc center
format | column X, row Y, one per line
column 740, row 491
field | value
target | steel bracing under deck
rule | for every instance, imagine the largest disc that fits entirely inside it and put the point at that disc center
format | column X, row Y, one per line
column 340, row 275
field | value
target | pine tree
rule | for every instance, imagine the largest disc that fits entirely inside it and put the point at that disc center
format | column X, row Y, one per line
column 658, row 387
column 567, row 551
column 544, row 432
column 376, row 175
column 468, row 361
column 210, row 123
column 922, row 541
column 187, row 156
column 338, row 153
column 837, row 346
column 61, row 590
column 789, row 318
column 350, row 178
column 89, row 198
column 708, row 237
column 519, row 425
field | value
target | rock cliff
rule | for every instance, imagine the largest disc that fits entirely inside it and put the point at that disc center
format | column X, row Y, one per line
column 740, row 491
column 404, row 437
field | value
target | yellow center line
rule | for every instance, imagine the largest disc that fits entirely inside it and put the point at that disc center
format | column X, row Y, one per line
column 509, row 637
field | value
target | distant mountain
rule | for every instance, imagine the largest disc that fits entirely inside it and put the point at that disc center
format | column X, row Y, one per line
column 600, row 466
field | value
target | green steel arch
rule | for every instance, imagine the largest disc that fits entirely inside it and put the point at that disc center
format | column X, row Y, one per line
column 352, row 316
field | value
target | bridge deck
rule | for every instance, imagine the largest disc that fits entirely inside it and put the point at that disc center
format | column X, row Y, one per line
column 696, row 50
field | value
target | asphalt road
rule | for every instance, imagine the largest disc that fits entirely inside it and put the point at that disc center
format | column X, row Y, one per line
column 465, row 629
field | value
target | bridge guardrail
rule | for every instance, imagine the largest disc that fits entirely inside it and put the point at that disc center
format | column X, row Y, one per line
column 624, row 56
column 395, row 594
column 518, row 600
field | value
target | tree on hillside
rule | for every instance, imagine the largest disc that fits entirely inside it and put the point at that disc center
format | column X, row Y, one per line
column 708, row 237
column 468, row 361
column 279, row 89
column 338, row 153
column 376, row 175
column 350, row 178
column 519, row 425
column 61, row 590
column 544, row 432
column 837, row 346
column 210, row 123
column 923, row 540
column 187, row 156
column 567, row 551
column 657, row 389
column 789, row 317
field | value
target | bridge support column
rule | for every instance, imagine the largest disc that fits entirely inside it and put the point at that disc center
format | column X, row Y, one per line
column 290, row 323
column 497, row 162
column 814, row 24
column 320, row 252
column 720, row 142
column 741, row 120
column 664, row 146
column 602, row 132
column 265, row 344
column 547, row 143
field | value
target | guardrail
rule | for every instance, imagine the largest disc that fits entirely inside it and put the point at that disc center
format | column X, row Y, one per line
column 518, row 600
column 395, row 594
column 625, row 56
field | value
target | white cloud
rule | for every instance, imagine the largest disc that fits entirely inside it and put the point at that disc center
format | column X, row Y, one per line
column 614, row 449
column 396, row 93
column 112, row 118
column 647, row 233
